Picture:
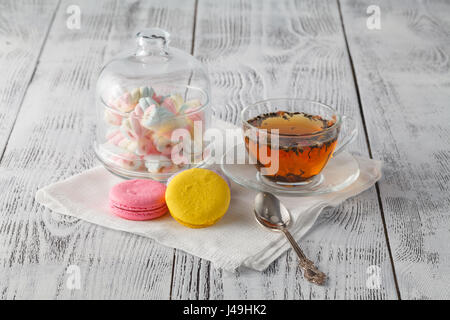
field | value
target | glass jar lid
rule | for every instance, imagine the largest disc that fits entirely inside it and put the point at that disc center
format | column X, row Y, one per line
column 153, row 65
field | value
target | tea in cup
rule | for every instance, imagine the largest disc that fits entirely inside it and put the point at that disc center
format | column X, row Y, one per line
column 291, row 140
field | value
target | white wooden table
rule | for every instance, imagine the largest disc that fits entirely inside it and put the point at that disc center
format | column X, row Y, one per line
column 395, row 81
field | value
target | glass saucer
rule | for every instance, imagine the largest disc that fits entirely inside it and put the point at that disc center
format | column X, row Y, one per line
column 340, row 172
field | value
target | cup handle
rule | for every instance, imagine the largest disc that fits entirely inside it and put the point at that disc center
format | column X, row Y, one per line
column 350, row 136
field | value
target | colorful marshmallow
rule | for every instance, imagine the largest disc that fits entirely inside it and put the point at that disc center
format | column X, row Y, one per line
column 145, row 134
column 129, row 161
column 156, row 116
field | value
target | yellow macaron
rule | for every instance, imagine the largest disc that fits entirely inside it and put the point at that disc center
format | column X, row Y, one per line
column 197, row 198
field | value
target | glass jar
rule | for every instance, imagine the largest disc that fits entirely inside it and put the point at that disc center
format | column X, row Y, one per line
column 152, row 110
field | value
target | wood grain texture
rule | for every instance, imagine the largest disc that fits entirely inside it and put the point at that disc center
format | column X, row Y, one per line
column 403, row 72
column 254, row 50
column 261, row 49
column 52, row 141
column 23, row 31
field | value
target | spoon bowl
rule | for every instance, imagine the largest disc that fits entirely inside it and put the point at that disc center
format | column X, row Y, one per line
column 270, row 212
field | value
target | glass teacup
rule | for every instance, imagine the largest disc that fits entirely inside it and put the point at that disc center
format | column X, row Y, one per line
column 292, row 140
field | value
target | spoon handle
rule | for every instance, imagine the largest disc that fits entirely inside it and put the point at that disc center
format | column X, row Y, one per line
column 311, row 273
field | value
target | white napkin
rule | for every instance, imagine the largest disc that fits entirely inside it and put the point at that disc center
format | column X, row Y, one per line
column 236, row 240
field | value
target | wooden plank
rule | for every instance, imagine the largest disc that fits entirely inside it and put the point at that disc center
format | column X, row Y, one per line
column 21, row 40
column 261, row 49
column 52, row 141
column 403, row 71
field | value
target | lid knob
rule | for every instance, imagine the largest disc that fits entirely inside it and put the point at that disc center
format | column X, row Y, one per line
column 153, row 41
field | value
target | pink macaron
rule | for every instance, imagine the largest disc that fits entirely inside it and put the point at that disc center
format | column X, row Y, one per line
column 138, row 199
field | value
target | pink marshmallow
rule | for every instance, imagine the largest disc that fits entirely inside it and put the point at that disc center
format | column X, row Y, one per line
column 115, row 137
column 128, row 161
column 195, row 116
column 168, row 103
column 136, row 126
column 113, row 118
column 126, row 103
column 157, row 98
column 146, row 146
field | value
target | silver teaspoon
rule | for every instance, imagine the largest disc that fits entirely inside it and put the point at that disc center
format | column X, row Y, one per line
column 272, row 214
